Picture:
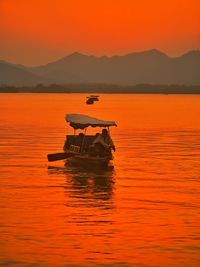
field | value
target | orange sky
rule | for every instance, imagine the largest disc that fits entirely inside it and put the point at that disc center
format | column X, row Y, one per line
column 38, row 31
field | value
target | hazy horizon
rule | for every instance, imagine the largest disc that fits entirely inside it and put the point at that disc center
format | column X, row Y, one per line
column 149, row 67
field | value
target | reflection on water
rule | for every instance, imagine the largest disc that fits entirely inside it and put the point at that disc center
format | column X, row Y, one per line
column 96, row 185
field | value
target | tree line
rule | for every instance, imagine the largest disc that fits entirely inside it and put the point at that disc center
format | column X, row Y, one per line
column 104, row 88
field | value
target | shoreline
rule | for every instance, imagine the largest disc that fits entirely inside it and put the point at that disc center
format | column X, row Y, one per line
column 102, row 89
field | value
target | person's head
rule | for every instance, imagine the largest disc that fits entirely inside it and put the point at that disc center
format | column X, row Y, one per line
column 81, row 135
column 104, row 132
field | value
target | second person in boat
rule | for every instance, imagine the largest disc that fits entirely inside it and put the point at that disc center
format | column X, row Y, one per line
column 103, row 143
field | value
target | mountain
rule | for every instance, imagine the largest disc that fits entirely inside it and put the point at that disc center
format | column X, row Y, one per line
column 151, row 67
column 18, row 75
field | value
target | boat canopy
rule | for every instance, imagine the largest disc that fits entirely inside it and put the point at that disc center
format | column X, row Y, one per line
column 80, row 121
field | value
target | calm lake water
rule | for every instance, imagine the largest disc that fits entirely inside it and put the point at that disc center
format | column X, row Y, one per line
column 144, row 212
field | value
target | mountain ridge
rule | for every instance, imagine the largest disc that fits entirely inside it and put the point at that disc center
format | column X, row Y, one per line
column 150, row 66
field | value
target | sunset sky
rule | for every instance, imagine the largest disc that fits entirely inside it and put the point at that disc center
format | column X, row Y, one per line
column 36, row 32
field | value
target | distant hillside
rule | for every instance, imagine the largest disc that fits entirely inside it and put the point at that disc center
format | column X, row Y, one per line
column 18, row 75
column 149, row 67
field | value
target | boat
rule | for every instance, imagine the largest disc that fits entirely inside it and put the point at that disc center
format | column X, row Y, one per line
column 91, row 99
column 95, row 97
column 79, row 148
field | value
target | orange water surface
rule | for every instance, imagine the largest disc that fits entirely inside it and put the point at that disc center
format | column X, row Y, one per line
column 143, row 212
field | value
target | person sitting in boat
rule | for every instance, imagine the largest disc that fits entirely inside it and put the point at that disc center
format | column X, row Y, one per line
column 74, row 140
column 79, row 139
column 103, row 143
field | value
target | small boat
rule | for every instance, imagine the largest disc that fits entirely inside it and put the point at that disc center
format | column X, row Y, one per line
column 91, row 99
column 80, row 149
column 95, row 97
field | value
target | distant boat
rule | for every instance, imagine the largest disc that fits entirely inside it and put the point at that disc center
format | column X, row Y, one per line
column 78, row 149
column 90, row 99
column 95, row 97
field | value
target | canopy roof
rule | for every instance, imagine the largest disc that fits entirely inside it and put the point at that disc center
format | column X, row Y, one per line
column 80, row 121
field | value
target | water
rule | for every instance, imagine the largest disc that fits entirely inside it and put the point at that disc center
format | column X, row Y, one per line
column 143, row 212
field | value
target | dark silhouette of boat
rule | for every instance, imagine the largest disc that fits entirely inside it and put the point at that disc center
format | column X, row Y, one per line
column 91, row 99
column 79, row 149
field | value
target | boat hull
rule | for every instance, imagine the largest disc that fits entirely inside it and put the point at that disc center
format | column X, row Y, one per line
column 88, row 162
